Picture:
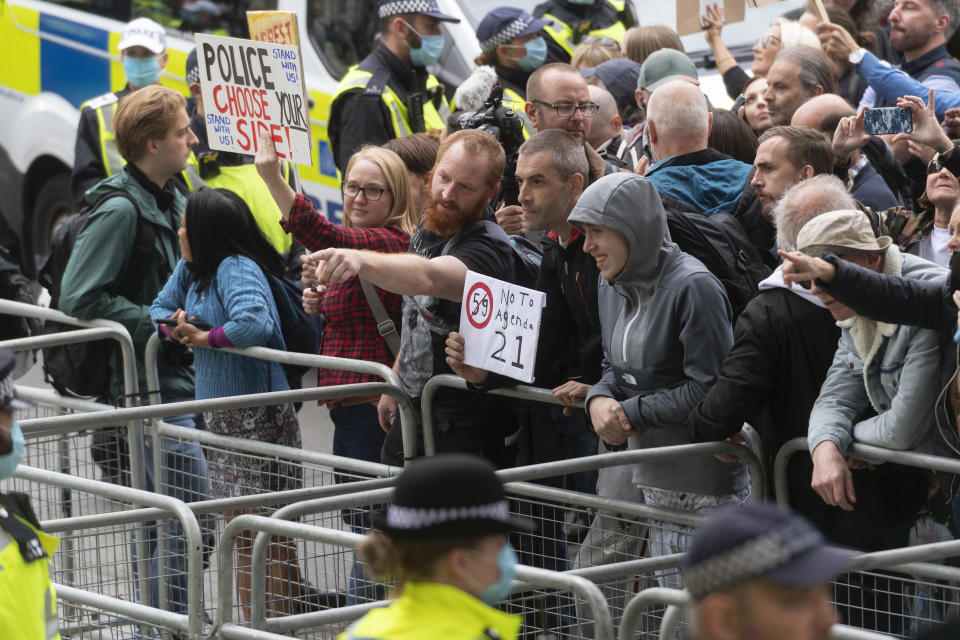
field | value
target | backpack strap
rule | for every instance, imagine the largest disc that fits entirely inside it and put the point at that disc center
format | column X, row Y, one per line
column 144, row 253
column 385, row 326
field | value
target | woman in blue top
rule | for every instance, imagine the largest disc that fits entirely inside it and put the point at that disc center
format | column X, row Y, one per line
column 221, row 282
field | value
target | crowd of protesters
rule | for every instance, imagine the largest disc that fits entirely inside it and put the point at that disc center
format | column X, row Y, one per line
column 837, row 324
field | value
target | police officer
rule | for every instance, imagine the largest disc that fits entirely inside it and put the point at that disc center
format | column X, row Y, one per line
column 513, row 44
column 573, row 19
column 444, row 537
column 390, row 94
column 28, row 604
column 143, row 53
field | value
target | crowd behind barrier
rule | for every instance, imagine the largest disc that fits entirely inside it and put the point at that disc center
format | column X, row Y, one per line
column 88, row 524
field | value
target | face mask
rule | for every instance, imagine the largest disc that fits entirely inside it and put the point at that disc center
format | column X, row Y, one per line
column 141, row 72
column 580, row 1
column 507, row 563
column 429, row 51
column 9, row 462
column 536, row 54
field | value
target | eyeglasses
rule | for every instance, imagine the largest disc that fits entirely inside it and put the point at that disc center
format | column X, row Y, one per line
column 602, row 41
column 935, row 166
column 768, row 40
column 566, row 110
column 370, row 193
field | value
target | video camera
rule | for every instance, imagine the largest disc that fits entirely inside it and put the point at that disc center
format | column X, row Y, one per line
column 506, row 126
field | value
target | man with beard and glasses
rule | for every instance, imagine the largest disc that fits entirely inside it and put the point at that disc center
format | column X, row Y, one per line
column 454, row 236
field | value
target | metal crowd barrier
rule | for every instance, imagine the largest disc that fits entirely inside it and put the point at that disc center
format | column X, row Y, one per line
column 526, row 576
column 164, row 507
column 676, row 601
column 393, row 387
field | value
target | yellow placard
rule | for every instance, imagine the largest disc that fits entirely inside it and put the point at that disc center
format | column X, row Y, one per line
column 278, row 27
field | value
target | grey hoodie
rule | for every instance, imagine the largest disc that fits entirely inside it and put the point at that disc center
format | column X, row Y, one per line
column 666, row 326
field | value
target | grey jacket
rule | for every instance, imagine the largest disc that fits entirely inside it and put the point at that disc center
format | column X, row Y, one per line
column 666, row 328
column 896, row 377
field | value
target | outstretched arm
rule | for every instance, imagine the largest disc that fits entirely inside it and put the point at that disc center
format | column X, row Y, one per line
column 406, row 274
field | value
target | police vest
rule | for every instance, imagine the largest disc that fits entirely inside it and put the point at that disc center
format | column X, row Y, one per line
column 568, row 35
column 28, row 604
column 434, row 117
column 516, row 102
column 105, row 107
column 244, row 181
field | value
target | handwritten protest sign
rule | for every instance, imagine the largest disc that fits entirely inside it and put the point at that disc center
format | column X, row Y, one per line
column 279, row 27
column 252, row 87
column 689, row 12
column 500, row 324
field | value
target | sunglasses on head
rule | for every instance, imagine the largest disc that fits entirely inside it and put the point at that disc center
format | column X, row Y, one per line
column 602, row 41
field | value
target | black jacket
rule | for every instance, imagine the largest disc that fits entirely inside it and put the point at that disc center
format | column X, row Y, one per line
column 359, row 117
column 569, row 346
column 782, row 348
column 88, row 167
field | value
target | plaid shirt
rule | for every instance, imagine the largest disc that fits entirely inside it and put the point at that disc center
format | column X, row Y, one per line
column 350, row 330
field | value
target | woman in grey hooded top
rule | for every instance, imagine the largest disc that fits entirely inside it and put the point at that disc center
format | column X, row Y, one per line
column 666, row 326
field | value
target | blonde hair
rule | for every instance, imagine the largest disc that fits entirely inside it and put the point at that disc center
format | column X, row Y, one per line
column 143, row 115
column 592, row 54
column 395, row 174
column 794, row 34
column 404, row 560
column 640, row 42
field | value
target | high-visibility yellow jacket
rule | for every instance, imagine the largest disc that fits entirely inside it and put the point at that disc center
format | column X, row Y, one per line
column 28, row 604
column 434, row 611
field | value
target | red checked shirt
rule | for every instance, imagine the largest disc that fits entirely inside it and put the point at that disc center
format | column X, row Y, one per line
column 350, row 330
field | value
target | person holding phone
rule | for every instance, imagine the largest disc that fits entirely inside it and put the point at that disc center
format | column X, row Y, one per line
column 221, row 281
column 378, row 215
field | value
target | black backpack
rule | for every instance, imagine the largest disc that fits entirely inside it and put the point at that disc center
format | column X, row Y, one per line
column 721, row 244
column 527, row 256
column 301, row 331
column 83, row 370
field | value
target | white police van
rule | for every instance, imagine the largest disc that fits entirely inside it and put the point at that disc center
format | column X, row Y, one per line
column 59, row 53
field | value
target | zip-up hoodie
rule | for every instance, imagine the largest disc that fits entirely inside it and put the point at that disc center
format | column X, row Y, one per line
column 666, row 328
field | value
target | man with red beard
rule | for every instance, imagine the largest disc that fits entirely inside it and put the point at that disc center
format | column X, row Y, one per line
column 456, row 234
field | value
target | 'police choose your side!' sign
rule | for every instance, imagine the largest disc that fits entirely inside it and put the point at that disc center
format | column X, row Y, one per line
column 251, row 87
column 500, row 325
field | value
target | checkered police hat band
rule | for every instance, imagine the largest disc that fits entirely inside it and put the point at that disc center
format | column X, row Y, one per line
column 750, row 560
column 193, row 76
column 414, row 518
column 406, row 6
column 507, row 34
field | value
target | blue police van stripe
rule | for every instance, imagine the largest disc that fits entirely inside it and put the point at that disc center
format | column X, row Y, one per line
column 74, row 74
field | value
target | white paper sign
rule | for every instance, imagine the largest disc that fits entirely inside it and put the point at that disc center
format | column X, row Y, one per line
column 500, row 324
column 251, row 87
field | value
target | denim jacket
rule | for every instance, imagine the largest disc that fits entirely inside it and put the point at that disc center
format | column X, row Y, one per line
column 898, row 380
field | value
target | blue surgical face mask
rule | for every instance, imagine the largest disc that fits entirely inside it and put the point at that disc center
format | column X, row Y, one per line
column 507, row 563
column 429, row 50
column 141, row 72
column 9, row 462
column 536, row 54
column 581, row 1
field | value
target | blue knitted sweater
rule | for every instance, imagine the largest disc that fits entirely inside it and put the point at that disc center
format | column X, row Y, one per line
column 246, row 310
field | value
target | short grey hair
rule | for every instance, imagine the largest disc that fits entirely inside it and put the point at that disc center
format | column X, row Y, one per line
column 806, row 200
column 812, row 68
column 568, row 155
column 679, row 110
column 949, row 7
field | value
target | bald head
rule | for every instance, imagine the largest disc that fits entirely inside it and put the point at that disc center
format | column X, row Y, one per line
column 607, row 123
column 678, row 119
column 821, row 111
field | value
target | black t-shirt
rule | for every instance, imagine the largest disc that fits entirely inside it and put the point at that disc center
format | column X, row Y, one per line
column 427, row 320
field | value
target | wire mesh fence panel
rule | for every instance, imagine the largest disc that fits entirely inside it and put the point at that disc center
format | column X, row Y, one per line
column 85, row 622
